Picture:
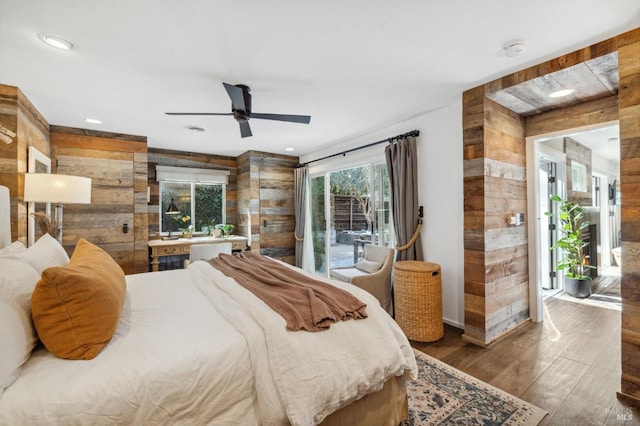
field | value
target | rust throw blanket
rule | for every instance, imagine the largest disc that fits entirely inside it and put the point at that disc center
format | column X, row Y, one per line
column 304, row 303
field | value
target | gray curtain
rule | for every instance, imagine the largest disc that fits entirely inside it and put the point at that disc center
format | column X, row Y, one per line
column 402, row 164
column 300, row 189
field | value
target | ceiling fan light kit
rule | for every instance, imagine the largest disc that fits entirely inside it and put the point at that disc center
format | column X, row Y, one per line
column 240, row 96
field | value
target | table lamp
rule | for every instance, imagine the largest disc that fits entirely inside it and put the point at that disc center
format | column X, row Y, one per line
column 171, row 210
column 58, row 189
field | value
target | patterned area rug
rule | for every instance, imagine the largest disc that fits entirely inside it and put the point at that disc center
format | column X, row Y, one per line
column 443, row 395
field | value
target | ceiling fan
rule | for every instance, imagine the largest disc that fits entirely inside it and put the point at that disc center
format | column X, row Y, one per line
column 241, row 110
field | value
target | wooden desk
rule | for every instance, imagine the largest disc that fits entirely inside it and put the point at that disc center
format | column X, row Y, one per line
column 162, row 247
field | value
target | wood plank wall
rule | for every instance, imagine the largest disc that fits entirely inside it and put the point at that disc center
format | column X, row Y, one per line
column 496, row 276
column 626, row 108
column 629, row 111
column 20, row 116
column 117, row 165
column 265, row 185
column 165, row 157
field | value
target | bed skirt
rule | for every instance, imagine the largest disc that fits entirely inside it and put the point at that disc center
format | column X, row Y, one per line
column 389, row 403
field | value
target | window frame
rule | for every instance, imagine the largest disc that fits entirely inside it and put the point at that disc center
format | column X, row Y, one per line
column 192, row 189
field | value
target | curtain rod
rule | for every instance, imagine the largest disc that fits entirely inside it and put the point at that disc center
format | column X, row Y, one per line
column 413, row 133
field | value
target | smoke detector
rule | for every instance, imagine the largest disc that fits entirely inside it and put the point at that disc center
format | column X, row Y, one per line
column 514, row 48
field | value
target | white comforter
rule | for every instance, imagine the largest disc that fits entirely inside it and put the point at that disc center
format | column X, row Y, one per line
column 309, row 375
column 180, row 358
column 173, row 360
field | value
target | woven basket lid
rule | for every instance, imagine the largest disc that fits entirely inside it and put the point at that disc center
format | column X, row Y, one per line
column 416, row 266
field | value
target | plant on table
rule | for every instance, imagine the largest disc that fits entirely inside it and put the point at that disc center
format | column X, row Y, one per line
column 225, row 229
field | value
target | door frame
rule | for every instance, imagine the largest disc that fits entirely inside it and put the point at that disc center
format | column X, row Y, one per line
column 534, row 150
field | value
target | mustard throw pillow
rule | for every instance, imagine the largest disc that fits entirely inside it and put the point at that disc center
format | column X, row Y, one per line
column 76, row 308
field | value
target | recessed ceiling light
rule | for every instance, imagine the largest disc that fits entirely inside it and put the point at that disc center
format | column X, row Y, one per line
column 93, row 120
column 288, row 149
column 196, row 129
column 560, row 93
column 514, row 48
column 55, row 41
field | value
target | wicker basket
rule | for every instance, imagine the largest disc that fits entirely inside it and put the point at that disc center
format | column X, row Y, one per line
column 417, row 288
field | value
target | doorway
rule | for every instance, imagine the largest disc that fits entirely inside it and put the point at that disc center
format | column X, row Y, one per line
column 550, row 161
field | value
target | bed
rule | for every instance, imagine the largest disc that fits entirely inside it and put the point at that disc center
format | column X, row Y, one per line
column 192, row 346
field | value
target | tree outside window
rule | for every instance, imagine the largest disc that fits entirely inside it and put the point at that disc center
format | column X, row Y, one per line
column 354, row 182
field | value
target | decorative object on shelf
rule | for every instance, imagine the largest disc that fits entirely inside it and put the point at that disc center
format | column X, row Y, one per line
column 59, row 189
column 48, row 224
column 225, row 229
column 172, row 210
column 571, row 222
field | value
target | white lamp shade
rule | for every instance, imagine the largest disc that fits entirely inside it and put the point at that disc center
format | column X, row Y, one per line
column 56, row 188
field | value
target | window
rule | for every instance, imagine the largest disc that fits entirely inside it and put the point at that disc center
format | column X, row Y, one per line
column 199, row 194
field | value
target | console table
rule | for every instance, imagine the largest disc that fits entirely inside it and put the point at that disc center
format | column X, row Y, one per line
column 162, row 247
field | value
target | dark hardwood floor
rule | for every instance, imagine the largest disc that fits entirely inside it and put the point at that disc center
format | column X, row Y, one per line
column 569, row 364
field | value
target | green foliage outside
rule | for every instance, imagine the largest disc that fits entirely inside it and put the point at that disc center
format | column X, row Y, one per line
column 354, row 183
column 317, row 225
column 208, row 205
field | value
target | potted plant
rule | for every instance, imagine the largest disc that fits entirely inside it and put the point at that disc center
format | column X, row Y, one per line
column 573, row 260
column 225, row 229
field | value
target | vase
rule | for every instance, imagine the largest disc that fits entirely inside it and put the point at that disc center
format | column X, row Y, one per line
column 577, row 288
column 189, row 234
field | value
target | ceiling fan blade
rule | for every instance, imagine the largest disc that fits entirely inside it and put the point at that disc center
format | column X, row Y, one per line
column 239, row 101
column 305, row 119
column 199, row 113
column 245, row 130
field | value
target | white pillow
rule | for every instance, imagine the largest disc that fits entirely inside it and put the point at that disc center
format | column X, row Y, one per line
column 45, row 253
column 18, row 340
column 368, row 266
column 15, row 248
column 17, row 334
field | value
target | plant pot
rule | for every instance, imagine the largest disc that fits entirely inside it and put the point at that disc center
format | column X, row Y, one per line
column 577, row 288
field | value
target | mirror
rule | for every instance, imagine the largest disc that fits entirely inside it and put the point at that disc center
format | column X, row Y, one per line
column 38, row 163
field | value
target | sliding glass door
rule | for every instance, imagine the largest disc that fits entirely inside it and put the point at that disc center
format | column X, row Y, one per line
column 349, row 209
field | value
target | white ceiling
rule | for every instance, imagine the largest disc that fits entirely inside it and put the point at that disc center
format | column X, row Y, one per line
column 355, row 66
column 602, row 141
